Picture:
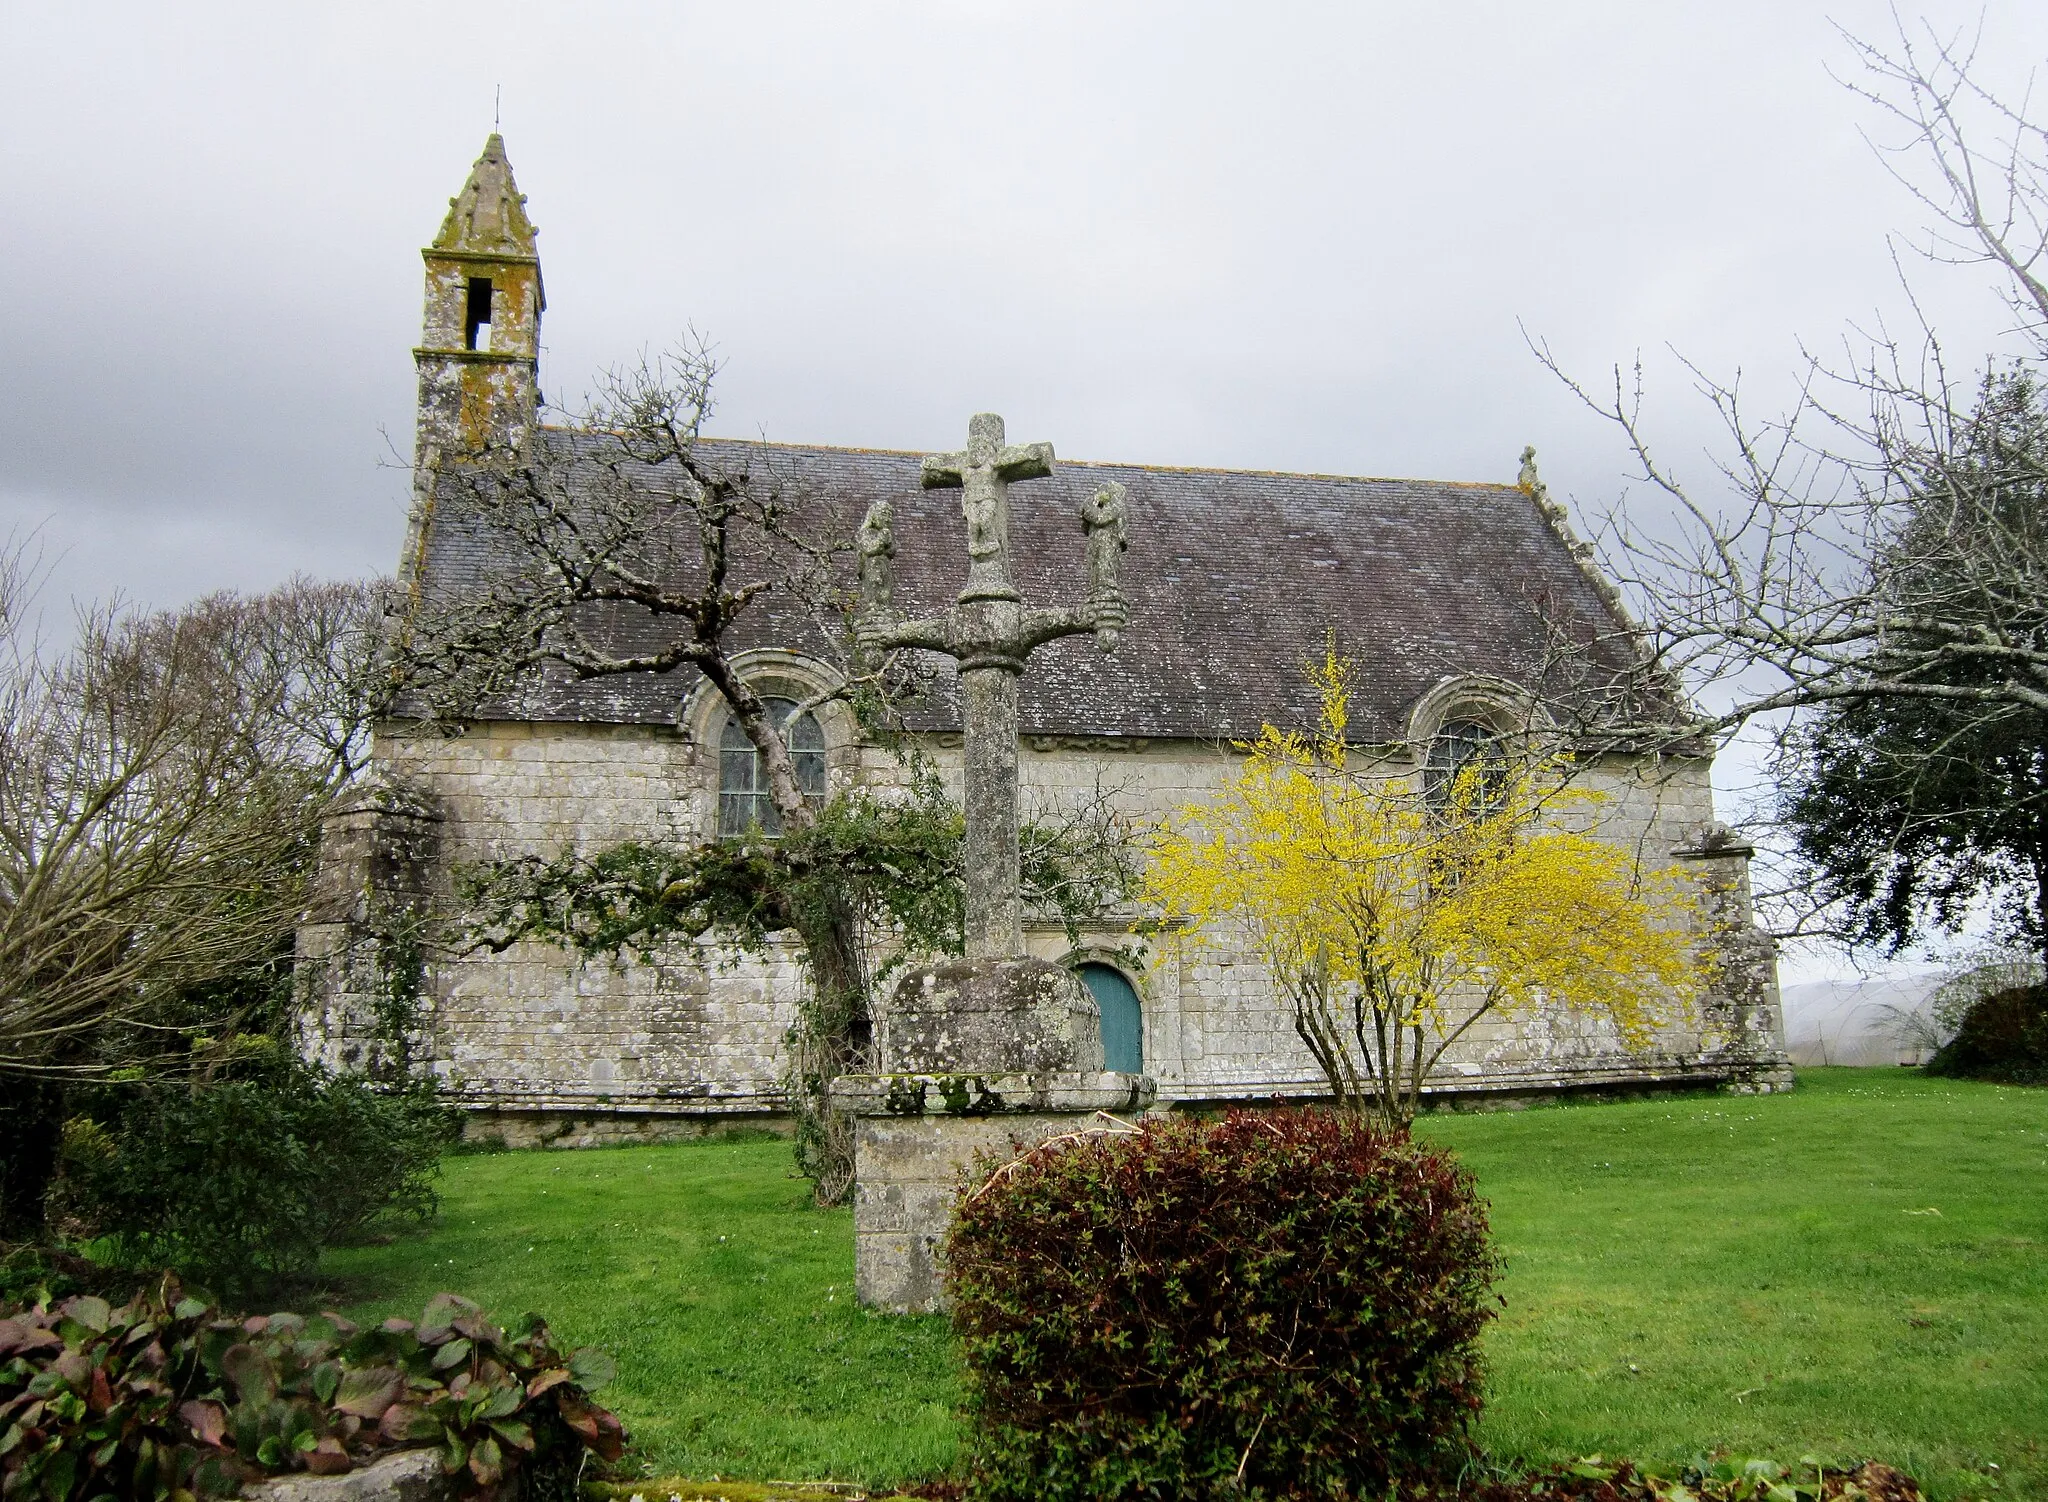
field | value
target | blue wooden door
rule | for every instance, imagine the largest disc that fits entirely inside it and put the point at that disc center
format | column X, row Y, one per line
column 1123, row 1022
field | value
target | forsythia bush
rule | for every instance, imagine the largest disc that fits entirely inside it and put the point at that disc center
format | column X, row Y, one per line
column 1273, row 1304
column 1396, row 920
column 166, row 1400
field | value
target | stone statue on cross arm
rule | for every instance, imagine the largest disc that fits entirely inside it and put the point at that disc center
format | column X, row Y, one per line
column 1102, row 518
column 877, row 544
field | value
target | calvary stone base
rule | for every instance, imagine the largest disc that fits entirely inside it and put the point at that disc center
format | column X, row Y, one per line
column 990, row 1056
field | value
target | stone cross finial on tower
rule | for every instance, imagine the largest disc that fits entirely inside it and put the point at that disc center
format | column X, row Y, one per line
column 991, row 632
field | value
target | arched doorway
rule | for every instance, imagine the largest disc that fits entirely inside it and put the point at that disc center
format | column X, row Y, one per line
column 1123, row 1019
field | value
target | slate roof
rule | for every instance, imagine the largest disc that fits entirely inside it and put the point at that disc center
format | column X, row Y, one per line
column 1235, row 578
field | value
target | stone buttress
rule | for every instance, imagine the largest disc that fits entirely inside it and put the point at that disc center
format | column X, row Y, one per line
column 362, row 944
column 1743, row 1012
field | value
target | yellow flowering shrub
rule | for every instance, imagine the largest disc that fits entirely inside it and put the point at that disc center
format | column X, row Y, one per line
column 1394, row 922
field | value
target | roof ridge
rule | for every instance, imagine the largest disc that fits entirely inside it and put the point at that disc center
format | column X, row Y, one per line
column 1165, row 469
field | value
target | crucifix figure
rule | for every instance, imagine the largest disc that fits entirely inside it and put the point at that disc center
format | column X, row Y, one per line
column 990, row 632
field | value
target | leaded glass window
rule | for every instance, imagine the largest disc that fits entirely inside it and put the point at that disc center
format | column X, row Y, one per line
column 743, row 800
column 1457, row 745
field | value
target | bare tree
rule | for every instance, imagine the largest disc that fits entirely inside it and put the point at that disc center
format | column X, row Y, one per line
column 1975, row 162
column 1882, row 541
column 620, row 513
column 160, row 780
column 618, row 547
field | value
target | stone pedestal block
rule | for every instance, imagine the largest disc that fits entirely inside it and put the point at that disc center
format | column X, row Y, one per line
column 1000, row 1016
column 914, row 1136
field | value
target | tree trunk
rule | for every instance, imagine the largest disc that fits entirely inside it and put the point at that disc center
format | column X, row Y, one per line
column 831, row 1035
column 830, row 1039
column 31, row 1129
column 746, row 706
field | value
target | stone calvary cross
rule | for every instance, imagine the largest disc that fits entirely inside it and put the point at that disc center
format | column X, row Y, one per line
column 976, row 1052
column 990, row 631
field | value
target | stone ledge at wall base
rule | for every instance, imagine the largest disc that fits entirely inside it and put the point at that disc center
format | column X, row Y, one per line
column 489, row 1129
column 1764, row 1079
column 914, row 1134
column 1493, row 1087
column 403, row 1476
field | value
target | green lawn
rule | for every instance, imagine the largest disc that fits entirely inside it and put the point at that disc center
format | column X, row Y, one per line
column 727, row 1299
column 1859, row 1269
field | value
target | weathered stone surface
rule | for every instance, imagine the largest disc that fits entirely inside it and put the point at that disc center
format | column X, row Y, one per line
column 1748, row 1017
column 405, row 1476
column 1019, row 1015
column 910, row 1168
column 971, row 1095
column 615, row 1127
column 990, row 632
column 477, row 389
column 379, row 850
column 998, row 1034
column 377, row 841
column 700, row 1035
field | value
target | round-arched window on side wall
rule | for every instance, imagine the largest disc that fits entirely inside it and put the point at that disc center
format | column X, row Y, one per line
column 1457, row 744
column 1123, row 1018
column 743, row 800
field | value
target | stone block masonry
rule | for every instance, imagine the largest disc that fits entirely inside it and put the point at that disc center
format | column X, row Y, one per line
column 915, row 1137
column 533, row 1039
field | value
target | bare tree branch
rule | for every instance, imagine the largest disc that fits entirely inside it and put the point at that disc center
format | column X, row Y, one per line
column 160, row 786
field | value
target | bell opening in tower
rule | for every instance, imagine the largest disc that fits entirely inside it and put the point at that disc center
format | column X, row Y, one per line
column 476, row 323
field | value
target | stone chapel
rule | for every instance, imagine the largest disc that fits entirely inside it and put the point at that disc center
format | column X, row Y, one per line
column 1440, row 590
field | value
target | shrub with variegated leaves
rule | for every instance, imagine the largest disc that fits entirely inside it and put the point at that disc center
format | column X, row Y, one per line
column 166, row 1400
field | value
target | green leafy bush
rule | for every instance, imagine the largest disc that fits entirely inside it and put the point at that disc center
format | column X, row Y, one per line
column 242, row 1182
column 2003, row 1037
column 1272, row 1304
column 163, row 1400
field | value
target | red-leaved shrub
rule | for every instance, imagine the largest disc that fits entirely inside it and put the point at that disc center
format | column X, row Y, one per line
column 1271, row 1304
column 166, row 1399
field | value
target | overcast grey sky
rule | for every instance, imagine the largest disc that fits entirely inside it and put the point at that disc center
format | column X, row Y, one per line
column 1280, row 236
column 1284, row 236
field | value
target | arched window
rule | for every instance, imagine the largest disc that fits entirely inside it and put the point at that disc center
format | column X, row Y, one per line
column 743, row 800
column 1459, row 743
column 1123, row 1019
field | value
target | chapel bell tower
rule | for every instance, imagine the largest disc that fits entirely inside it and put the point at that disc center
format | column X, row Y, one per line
column 479, row 351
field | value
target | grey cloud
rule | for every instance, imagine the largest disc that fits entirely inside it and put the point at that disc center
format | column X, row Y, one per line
column 1291, row 237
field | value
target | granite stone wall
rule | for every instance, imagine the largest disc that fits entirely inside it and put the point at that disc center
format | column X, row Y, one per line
column 533, row 1037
